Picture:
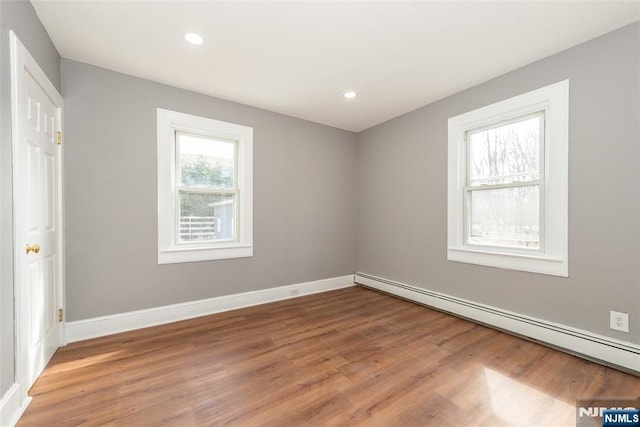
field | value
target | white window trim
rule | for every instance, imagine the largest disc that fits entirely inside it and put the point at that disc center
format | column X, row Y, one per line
column 170, row 122
column 553, row 259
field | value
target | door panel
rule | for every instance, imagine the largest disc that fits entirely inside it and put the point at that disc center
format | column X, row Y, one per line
column 33, row 186
column 50, row 192
column 34, row 285
column 40, row 177
column 49, row 294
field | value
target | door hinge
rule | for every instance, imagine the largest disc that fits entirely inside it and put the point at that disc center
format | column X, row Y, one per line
column 60, row 314
column 58, row 138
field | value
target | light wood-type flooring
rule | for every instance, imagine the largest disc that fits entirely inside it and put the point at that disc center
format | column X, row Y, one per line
column 347, row 357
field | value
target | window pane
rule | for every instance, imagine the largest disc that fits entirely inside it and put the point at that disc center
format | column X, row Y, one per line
column 206, row 162
column 505, row 217
column 505, row 154
column 206, row 217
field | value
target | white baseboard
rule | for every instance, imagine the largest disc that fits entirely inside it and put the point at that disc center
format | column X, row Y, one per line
column 11, row 407
column 622, row 354
column 107, row 325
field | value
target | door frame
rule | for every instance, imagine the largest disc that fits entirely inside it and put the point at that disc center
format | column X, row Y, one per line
column 21, row 62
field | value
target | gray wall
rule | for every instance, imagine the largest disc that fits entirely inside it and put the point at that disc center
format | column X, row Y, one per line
column 304, row 198
column 402, row 193
column 20, row 17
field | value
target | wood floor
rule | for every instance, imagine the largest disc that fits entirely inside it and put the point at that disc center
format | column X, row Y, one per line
column 346, row 357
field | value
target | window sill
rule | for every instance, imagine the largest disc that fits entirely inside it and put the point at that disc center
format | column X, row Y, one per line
column 207, row 253
column 534, row 263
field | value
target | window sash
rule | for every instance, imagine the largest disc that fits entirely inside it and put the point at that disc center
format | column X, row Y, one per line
column 468, row 226
column 178, row 156
column 236, row 215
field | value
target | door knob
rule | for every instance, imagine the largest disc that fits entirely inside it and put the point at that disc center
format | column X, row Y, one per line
column 33, row 248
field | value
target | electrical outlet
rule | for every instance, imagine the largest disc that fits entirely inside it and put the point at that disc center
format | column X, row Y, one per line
column 619, row 321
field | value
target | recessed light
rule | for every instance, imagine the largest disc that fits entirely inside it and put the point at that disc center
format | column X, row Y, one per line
column 350, row 94
column 194, row 38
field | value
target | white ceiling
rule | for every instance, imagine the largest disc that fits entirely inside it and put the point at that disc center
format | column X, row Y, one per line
column 298, row 58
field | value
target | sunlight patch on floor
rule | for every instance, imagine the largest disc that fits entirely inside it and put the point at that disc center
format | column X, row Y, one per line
column 521, row 405
column 84, row 362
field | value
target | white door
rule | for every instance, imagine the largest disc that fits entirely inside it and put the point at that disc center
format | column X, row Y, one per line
column 37, row 174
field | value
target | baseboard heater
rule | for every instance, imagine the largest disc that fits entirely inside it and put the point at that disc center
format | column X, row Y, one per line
column 615, row 353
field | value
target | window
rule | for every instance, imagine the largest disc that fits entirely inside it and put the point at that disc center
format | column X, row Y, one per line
column 507, row 189
column 503, row 183
column 205, row 189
